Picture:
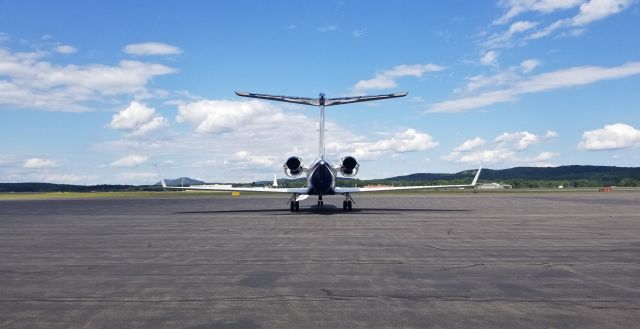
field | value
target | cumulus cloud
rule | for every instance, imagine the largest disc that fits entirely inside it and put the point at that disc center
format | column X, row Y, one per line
column 409, row 140
column 610, row 137
column 28, row 81
column 387, row 79
column 470, row 145
column 151, row 48
column 137, row 119
column 39, row 163
column 129, row 161
column 66, row 49
column 219, row 116
column 566, row 78
column 521, row 140
column 507, row 147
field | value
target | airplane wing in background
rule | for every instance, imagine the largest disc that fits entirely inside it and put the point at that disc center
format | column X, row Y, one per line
column 297, row 100
column 357, row 99
column 399, row 188
column 301, row 190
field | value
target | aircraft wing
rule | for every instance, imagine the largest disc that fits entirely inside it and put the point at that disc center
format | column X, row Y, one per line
column 356, row 99
column 400, row 188
column 300, row 190
column 288, row 99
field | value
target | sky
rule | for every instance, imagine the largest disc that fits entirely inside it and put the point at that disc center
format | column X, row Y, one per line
column 121, row 92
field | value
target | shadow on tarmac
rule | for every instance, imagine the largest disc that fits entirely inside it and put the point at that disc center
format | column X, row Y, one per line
column 323, row 210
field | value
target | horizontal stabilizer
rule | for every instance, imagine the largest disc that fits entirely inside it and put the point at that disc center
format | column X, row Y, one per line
column 357, row 99
column 288, row 99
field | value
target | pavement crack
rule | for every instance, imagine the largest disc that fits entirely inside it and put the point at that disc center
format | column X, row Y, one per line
column 459, row 267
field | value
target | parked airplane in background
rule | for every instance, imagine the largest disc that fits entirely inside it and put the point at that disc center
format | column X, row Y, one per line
column 321, row 175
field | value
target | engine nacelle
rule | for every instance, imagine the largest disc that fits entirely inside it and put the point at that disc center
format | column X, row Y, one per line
column 349, row 166
column 293, row 167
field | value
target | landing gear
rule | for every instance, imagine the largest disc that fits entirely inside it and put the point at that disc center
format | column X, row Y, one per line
column 347, row 205
column 320, row 202
column 294, row 206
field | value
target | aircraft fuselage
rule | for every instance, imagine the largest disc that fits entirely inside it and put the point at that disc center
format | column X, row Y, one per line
column 321, row 178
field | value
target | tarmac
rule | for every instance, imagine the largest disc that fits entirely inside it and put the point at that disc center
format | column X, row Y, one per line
column 457, row 260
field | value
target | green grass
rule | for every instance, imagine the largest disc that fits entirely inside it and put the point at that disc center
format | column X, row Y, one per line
column 114, row 195
column 209, row 194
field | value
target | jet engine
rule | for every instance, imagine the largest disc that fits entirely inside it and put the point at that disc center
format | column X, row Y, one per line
column 293, row 167
column 348, row 166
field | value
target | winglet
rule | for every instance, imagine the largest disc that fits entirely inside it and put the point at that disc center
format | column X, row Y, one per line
column 475, row 179
column 164, row 185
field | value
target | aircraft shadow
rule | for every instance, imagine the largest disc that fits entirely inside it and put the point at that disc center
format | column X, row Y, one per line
column 324, row 210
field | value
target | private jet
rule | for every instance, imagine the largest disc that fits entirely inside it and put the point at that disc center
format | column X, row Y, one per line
column 320, row 174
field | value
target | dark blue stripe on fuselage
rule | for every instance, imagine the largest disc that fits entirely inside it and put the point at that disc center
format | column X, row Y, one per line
column 321, row 181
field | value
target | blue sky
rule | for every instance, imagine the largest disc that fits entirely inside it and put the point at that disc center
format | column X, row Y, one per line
column 101, row 91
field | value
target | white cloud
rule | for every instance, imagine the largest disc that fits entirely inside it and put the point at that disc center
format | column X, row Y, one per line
column 129, row 161
column 138, row 120
column 490, row 58
column 28, row 81
column 470, row 145
column 327, row 28
column 589, row 12
column 387, row 79
column 598, row 9
column 503, row 39
column 66, row 49
column 528, row 65
column 610, row 137
column 520, row 140
column 571, row 77
column 508, row 147
column 39, row 163
column 244, row 159
column 550, row 134
column 517, row 7
column 409, row 140
column 219, row 116
column 151, row 48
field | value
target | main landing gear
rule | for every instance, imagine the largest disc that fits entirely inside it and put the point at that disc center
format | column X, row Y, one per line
column 320, row 202
column 294, row 206
column 347, row 204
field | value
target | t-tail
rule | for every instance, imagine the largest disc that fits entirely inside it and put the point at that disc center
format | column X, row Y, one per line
column 321, row 102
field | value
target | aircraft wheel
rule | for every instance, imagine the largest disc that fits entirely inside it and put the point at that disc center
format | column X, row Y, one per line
column 297, row 206
column 292, row 206
column 349, row 205
column 344, row 205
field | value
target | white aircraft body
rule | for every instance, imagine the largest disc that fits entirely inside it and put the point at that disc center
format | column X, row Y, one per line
column 320, row 175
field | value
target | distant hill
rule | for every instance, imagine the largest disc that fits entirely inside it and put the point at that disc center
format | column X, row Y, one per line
column 186, row 181
column 569, row 176
column 534, row 173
